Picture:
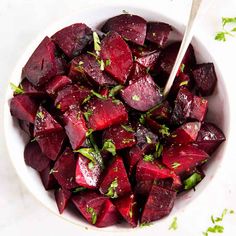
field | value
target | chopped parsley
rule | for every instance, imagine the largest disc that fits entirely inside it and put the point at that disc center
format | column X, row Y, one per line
column 89, row 132
column 112, row 189
column 97, row 42
column 87, row 152
column 79, row 189
column 148, row 158
column 87, row 99
column 173, row 225
column 182, row 67
column 144, row 224
column 175, row 165
column 90, row 165
column 17, row 89
column 52, row 171
column 116, row 101
column 87, row 114
column 40, row 115
column 115, row 90
column 148, row 139
column 93, row 214
column 107, row 62
column 142, row 119
column 58, row 106
column 127, row 140
column 109, row 146
column 164, row 131
column 192, row 181
column 102, row 64
column 135, row 98
column 97, row 94
column 127, row 128
column 227, row 28
column 183, row 83
column 159, row 149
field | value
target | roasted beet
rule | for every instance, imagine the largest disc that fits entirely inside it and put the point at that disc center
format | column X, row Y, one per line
column 115, row 182
column 199, row 108
column 23, row 107
column 186, row 133
column 130, row 27
column 30, row 89
column 205, row 78
column 64, row 170
column 122, row 136
column 48, row 179
column 161, row 112
column 103, row 113
column 75, row 127
column 86, row 68
column 44, row 123
column 41, row 66
column 158, row 32
column 62, row 197
column 71, row 95
column 183, row 159
column 51, row 144
column 137, row 72
column 34, row 157
column 209, row 137
column 57, row 83
column 127, row 206
column 115, row 50
column 142, row 94
column 73, row 39
column 87, row 172
column 27, row 127
column 159, row 204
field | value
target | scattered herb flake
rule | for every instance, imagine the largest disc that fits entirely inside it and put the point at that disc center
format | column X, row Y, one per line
column 93, row 54
column 142, row 119
column 90, row 165
column 144, row 224
column 109, row 146
column 116, row 101
column 173, row 225
column 87, row 152
column 192, row 181
column 79, row 189
column 58, row 106
column 164, row 131
column 93, row 214
column 175, row 165
column 40, row 115
column 112, row 189
column 182, row 67
column 127, row 128
column 87, row 114
column 97, row 95
column 96, row 42
column 135, row 98
column 17, row 89
column 148, row 158
column 183, row 83
column 228, row 20
column 102, row 64
column 148, row 139
column 127, row 140
column 52, row 171
column 107, row 62
column 131, row 212
column 87, row 99
column 115, row 90
column 159, row 149
column 89, row 132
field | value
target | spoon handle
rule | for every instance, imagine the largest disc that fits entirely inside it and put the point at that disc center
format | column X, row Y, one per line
column 185, row 43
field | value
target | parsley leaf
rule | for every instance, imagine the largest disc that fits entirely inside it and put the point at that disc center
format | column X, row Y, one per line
column 96, row 42
column 175, row 165
column 182, row 67
column 173, row 225
column 127, row 128
column 135, row 98
column 183, row 83
column 142, row 119
column 148, row 139
column 93, row 214
column 79, row 189
column 89, row 132
column 112, row 189
column 17, row 89
column 115, row 90
column 87, row 114
column 220, row 36
column 90, row 165
column 97, row 95
column 87, row 152
column 148, row 158
column 164, row 131
column 227, row 20
column 109, row 146
column 192, row 181
column 159, row 149
column 40, row 115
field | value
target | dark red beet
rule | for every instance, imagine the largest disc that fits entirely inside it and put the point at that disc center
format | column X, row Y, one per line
column 104, row 113
column 142, row 94
column 86, row 68
column 47, row 178
column 57, row 83
column 85, row 175
column 130, row 27
column 61, row 64
column 41, row 66
column 150, row 171
column 45, row 124
column 205, row 78
column 27, row 127
column 115, row 49
column 62, row 197
column 71, row 95
column 199, row 108
column 127, row 206
column 64, row 170
column 159, row 204
column 73, row 39
column 75, row 127
column 24, row 108
column 30, row 89
column 51, row 144
column 34, row 157
column 183, row 159
column 120, row 136
column 186, row 133
column 209, row 137
column 149, row 61
column 158, row 32
column 161, row 112
column 104, row 91
column 115, row 182
column 137, row 72
column 90, row 205
column 108, row 216
column 154, row 126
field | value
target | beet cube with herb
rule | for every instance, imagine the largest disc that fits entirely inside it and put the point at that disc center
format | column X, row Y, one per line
column 62, row 197
column 48, row 180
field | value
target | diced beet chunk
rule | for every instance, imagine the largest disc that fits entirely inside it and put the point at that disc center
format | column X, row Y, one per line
column 90, row 205
column 64, row 170
column 148, row 61
column 115, row 182
column 87, row 69
column 71, row 95
column 41, row 66
column 62, row 197
column 127, row 206
column 51, row 144
column 57, row 83
column 122, row 136
column 142, row 94
column 137, row 72
column 47, row 178
column 44, row 123
column 86, row 175
column 75, row 127
column 159, row 204
column 158, row 32
column 104, row 113
column 34, row 157
column 108, row 216
column 27, row 127
column 205, row 78
column 183, row 159
column 209, row 137
column 199, row 108
column 23, row 107
column 130, row 27
column 115, row 49
column 186, row 133
column 30, row 89
column 73, row 39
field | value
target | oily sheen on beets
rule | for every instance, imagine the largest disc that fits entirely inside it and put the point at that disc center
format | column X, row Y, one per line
column 101, row 136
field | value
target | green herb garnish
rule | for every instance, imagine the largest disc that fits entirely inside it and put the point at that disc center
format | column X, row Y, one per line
column 107, row 62
column 90, row 165
column 173, row 225
column 175, row 165
column 89, row 132
column 112, row 189
column 115, row 90
column 142, row 119
column 52, row 171
column 87, row 99
column 144, row 224
column 87, row 114
column 184, row 83
column 127, row 140
column 17, row 89
column 192, row 181
column 127, row 128
column 93, row 214
column 164, row 131
column 109, row 146
column 159, row 149
column 79, row 189
column 97, row 95
column 182, row 67
column 148, row 158
column 87, row 152
column 135, row 98
column 222, row 35
column 40, row 115
column 96, row 41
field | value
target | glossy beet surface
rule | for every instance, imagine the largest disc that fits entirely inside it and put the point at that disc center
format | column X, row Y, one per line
column 101, row 135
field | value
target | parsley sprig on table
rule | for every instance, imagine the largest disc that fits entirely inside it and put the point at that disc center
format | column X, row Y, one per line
column 228, row 29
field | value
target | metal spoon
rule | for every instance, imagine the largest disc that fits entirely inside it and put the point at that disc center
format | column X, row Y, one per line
column 197, row 10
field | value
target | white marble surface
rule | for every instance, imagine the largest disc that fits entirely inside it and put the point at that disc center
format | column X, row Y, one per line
column 20, row 22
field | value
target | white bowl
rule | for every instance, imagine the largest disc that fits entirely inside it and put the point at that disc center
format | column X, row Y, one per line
column 16, row 139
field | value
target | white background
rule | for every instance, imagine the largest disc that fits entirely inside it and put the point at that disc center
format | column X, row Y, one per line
column 20, row 22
